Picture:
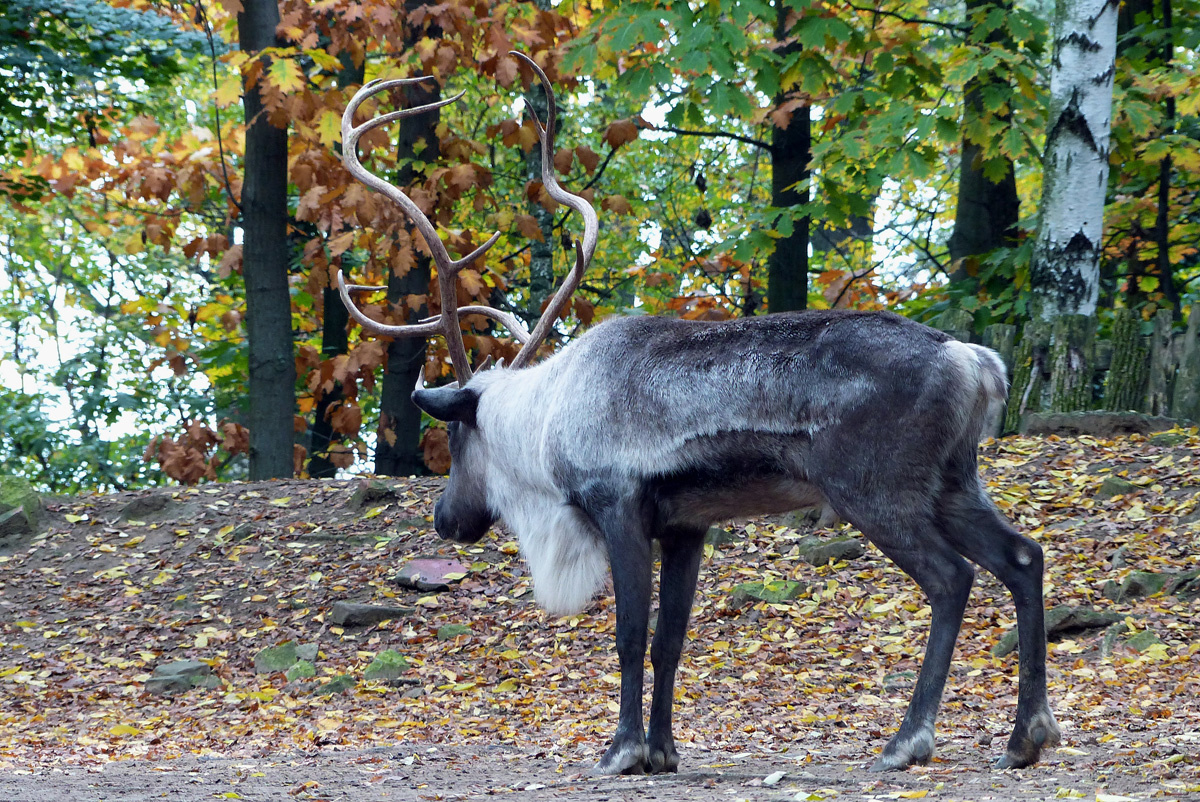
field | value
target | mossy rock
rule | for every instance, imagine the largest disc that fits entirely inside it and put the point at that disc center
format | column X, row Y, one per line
column 276, row 658
column 1114, row 486
column 342, row 683
column 1142, row 641
column 181, row 676
column 20, row 508
column 772, row 592
column 1172, row 438
column 452, row 631
column 818, row 551
column 387, row 665
column 302, row 669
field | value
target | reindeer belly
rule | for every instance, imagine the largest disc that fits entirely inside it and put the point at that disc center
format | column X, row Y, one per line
column 735, row 474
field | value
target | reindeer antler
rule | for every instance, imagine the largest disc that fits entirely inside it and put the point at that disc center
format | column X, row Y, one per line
column 591, row 223
column 447, row 323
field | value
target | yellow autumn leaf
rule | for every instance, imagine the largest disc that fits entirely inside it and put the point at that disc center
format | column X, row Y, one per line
column 507, row 686
column 74, row 519
column 374, row 511
column 229, row 91
column 286, row 75
column 279, row 502
column 161, row 578
column 124, row 729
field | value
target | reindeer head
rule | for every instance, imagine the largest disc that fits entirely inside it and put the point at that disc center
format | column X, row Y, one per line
column 462, row 513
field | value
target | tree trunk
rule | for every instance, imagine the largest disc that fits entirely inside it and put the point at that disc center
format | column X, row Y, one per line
column 335, row 339
column 397, row 448
column 1072, row 356
column 1065, row 271
column 1185, row 401
column 272, row 377
column 1162, row 227
column 791, row 151
column 987, row 212
column 1029, row 364
column 1125, row 384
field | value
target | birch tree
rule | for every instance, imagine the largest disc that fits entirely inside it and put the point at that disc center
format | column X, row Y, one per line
column 1065, row 271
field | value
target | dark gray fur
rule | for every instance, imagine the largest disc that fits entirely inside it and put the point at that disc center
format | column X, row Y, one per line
column 653, row 428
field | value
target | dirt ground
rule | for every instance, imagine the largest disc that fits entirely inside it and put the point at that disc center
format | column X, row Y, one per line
column 775, row 701
column 456, row 773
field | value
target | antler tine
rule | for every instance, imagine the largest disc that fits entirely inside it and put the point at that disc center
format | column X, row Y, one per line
column 509, row 321
column 425, row 328
column 591, row 223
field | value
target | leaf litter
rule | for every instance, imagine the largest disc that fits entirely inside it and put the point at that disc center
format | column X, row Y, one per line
column 811, row 687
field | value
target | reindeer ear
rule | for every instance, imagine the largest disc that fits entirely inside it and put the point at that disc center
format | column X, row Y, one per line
column 448, row 403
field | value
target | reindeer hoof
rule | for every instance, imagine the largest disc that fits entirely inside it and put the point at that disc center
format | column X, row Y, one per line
column 1024, row 748
column 663, row 760
column 623, row 758
column 906, row 750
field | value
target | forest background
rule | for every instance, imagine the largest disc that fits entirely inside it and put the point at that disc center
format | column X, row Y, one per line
column 175, row 203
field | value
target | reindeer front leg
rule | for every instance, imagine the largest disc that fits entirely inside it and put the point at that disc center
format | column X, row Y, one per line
column 629, row 556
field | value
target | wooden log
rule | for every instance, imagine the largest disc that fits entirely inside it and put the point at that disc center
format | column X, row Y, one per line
column 1029, row 362
column 958, row 323
column 1072, row 354
column 1185, row 401
column 1125, row 384
column 1162, row 366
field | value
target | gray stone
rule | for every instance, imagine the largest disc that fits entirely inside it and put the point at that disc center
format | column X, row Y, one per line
column 1142, row 640
column 1140, row 584
column 342, row 683
column 452, row 631
column 387, row 665
column 20, row 508
column 816, row 551
column 276, row 658
column 181, row 676
column 1095, row 423
column 350, row 614
column 773, row 592
column 1061, row 620
column 719, row 536
column 1114, row 486
column 307, row 652
column 1167, row 439
column 370, row 492
column 302, row 669
column 431, row 575
column 150, row 507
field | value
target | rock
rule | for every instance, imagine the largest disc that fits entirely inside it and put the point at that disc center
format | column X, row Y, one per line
column 1095, row 423
column 413, row 693
column 1186, row 584
column 452, row 631
column 301, row 670
column 431, row 575
column 1114, row 486
column 1142, row 641
column 342, row 683
column 1061, row 620
column 276, row 658
column 370, row 492
column 307, row 652
column 181, row 676
column 773, row 592
column 822, row 517
column 901, row 680
column 816, row 551
column 387, row 665
column 1171, row 438
column 1140, row 584
column 719, row 536
column 149, row 507
column 20, row 508
column 350, row 614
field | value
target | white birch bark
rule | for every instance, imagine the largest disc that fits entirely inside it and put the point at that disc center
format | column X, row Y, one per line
column 1065, row 271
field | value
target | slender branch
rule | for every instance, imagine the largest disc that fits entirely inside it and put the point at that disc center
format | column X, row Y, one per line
column 949, row 26
column 217, row 109
column 749, row 140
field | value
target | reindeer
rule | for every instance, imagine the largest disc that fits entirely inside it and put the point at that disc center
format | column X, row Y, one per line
column 650, row 428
